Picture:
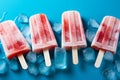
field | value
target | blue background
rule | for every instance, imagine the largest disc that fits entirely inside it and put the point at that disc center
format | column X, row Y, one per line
column 96, row 9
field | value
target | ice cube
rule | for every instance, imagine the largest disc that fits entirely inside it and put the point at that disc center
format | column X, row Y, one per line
column 1, row 50
column 93, row 23
column 13, row 64
column 22, row 18
column 3, row 16
column 22, row 22
column 118, row 43
column 33, row 69
column 25, row 30
column 31, row 57
column 3, row 66
column 46, row 71
column 60, row 58
column 28, row 39
column 117, row 65
column 40, row 58
column 90, row 34
column 58, row 38
column 89, row 54
column 43, row 78
column 109, row 74
column 57, row 27
column 108, row 56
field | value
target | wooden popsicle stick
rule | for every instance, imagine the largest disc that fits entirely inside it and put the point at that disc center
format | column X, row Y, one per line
column 22, row 61
column 99, row 58
column 75, row 55
column 47, row 57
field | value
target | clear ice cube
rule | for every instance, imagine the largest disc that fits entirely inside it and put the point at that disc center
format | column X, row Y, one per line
column 31, row 57
column 108, row 56
column 13, row 64
column 109, row 74
column 57, row 27
column 60, row 58
column 2, row 54
column 25, row 30
column 90, row 34
column 46, row 71
column 33, row 69
column 22, row 18
column 3, row 66
column 93, row 23
column 28, row 39
column 89, row 54
column 40, row 58
column 117, row 65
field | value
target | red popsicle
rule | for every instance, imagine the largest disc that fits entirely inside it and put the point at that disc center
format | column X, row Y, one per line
column 73, row 33
column 42, row 36
column 13, row 42
column 106, row 38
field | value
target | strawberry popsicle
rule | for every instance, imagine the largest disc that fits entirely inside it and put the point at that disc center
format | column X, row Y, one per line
column 13, row 42
column 73, row 33
column 42, row 36
column 106, row 38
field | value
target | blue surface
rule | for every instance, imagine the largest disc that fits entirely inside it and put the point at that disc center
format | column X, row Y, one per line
column 96, row 9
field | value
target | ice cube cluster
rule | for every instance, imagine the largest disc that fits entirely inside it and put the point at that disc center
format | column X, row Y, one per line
column 36, row 62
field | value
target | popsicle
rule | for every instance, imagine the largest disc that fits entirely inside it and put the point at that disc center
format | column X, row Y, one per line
column 106, row 38
column 13, row 42
column 73, row 33
column 42, row 36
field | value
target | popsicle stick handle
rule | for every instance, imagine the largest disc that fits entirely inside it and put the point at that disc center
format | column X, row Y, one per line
column 99, row 58
column 22, row 61
column 75, row 55
column 47, row 57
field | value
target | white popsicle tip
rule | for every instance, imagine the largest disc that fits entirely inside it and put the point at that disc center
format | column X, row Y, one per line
column 47, row 57
column 75, row 55
column 99, row 58
column 22, row 61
